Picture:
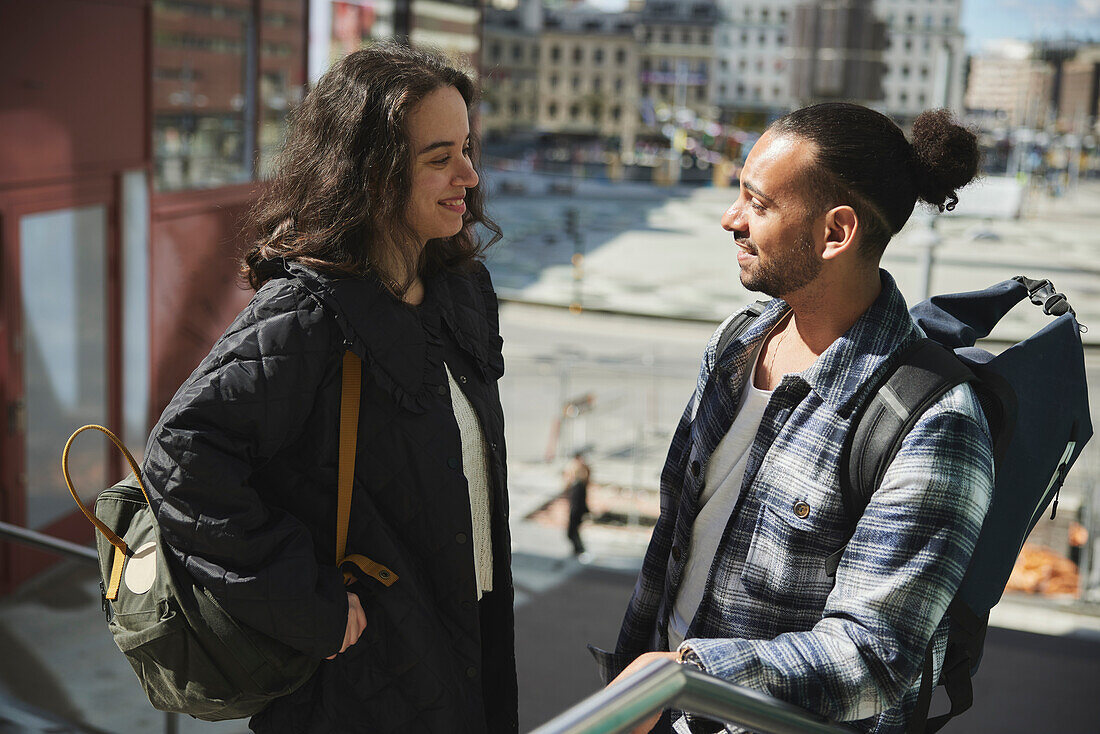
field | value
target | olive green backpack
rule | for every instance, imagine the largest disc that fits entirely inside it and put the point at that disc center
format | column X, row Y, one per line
column 189, row 654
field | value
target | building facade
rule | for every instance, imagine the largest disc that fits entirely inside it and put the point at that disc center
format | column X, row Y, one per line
column 925, row 56
column 752, row 56
column 510, row 69
column 676, row 48
column 588, row 75
column 1008, row 88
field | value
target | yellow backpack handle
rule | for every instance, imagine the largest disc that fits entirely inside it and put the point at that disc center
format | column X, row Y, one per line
column 121, row 551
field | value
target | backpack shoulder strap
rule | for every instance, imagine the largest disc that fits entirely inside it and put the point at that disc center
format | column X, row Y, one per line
column 737, row 326
column 921, row 375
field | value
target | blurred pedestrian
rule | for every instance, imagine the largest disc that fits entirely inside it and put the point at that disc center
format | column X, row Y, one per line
column 367, row 242
column 577, row 475
column 754, row 572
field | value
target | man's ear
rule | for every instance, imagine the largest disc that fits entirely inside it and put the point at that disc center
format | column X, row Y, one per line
column 841, row 226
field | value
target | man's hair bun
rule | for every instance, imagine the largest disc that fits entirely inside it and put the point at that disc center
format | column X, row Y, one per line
column 945, row 157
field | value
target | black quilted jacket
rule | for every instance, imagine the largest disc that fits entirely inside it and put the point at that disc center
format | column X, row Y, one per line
column 242, row 468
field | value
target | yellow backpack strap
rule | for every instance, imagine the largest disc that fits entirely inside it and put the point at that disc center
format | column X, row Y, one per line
column 350, row 389
column 121, row 551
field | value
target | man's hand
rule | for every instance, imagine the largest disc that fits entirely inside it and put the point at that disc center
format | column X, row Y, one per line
column 640, row 662
column 357, row 622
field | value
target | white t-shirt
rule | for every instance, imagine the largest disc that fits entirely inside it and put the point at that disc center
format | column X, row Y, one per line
column 721, row 488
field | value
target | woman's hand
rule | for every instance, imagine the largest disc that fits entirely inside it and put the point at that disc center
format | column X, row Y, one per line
column 357, row 622
column 640, row 662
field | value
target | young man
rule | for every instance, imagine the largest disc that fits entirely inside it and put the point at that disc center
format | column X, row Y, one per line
column 736, row 579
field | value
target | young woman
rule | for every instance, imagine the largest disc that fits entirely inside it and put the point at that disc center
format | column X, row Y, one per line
column 366, row 243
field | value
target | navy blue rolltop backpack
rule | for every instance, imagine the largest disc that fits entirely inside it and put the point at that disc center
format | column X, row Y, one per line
column 1035, row 399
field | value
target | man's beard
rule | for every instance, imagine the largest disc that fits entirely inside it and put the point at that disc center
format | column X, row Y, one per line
column 791, row 270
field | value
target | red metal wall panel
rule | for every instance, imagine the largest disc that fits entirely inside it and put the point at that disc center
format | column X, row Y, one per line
column 195, row 291
column 72, row 88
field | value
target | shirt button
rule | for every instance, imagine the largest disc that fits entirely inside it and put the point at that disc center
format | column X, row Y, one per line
column 442, row 389
column 471, row 672
column 677, row 554
column 801, row 509
column 462, row 379
column 493, row 447
column 695, row 469
column 460, row 538
column 452, row 462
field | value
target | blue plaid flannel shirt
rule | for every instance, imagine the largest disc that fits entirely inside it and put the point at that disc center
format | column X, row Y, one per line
column 851, row 647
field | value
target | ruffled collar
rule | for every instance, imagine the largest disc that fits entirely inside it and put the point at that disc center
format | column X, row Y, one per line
column 402, row 346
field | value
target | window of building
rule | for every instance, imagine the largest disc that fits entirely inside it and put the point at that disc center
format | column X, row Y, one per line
column 494, row 51
column 618, row 84
column 553, row 81
column 908, row 44
column 535, row 53
column 947, row 21
column 620, row 56
column 223, row 84
column 574, row 111
column 515, row 109
column 924, row 72
column 764, row 15
column 552, row 110
column 555, row 53
column 781, row 38
column 762, row 38
column 616, row 113
column 647, row 65
column 922, row 99
column 756, row 93
column 782, row 16
column 744, row 38
column 740, row 64
column 517, row 52
column 597, row 55
column 578, row 54
column 724, row 64
column 760, row 65
column 597, row 84
column 904, row 72
column 910, row 21
column 776, row 92
column 645, row 90
column 685, row 37
column 903, row 98
column 740, row 89
column 666, row 36
column 704, row 38
column 576, row 83
column 722, row 89
column 700, row 94
column 748, row 14
column 664, row 91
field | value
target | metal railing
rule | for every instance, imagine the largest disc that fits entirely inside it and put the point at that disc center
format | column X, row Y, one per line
column 75, row 551
column 667, row 684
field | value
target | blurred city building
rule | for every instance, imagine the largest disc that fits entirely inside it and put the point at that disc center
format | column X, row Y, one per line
column 588, row 75
column 1008, row 87
column 925, row 56
column 752, row 79
column 677, row 57
column 510, row 69
column 837, row 52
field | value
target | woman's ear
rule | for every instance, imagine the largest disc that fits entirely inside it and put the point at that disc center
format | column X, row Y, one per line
column 841, row 226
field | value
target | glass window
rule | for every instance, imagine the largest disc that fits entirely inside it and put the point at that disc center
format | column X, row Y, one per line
column 517, row 52
column 555, row 53
column 201, row 129
column 64, row 354
column 619, row 84
column 135, row 314
column 282, row 74
column 578, row 54
column 620, row 56
column 494, row 52
column 210, row 127
column 597, row 56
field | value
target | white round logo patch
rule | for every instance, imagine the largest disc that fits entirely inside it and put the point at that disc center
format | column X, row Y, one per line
column 141, row 569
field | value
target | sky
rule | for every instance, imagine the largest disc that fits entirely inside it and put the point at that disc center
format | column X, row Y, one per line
column 985, row 20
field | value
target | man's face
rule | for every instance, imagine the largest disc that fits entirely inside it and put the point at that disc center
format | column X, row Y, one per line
column 770, row 221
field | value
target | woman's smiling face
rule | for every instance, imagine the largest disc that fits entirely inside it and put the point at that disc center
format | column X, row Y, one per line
column 439, row 137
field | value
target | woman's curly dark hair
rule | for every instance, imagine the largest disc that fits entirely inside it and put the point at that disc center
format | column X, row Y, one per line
column 339, row 197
